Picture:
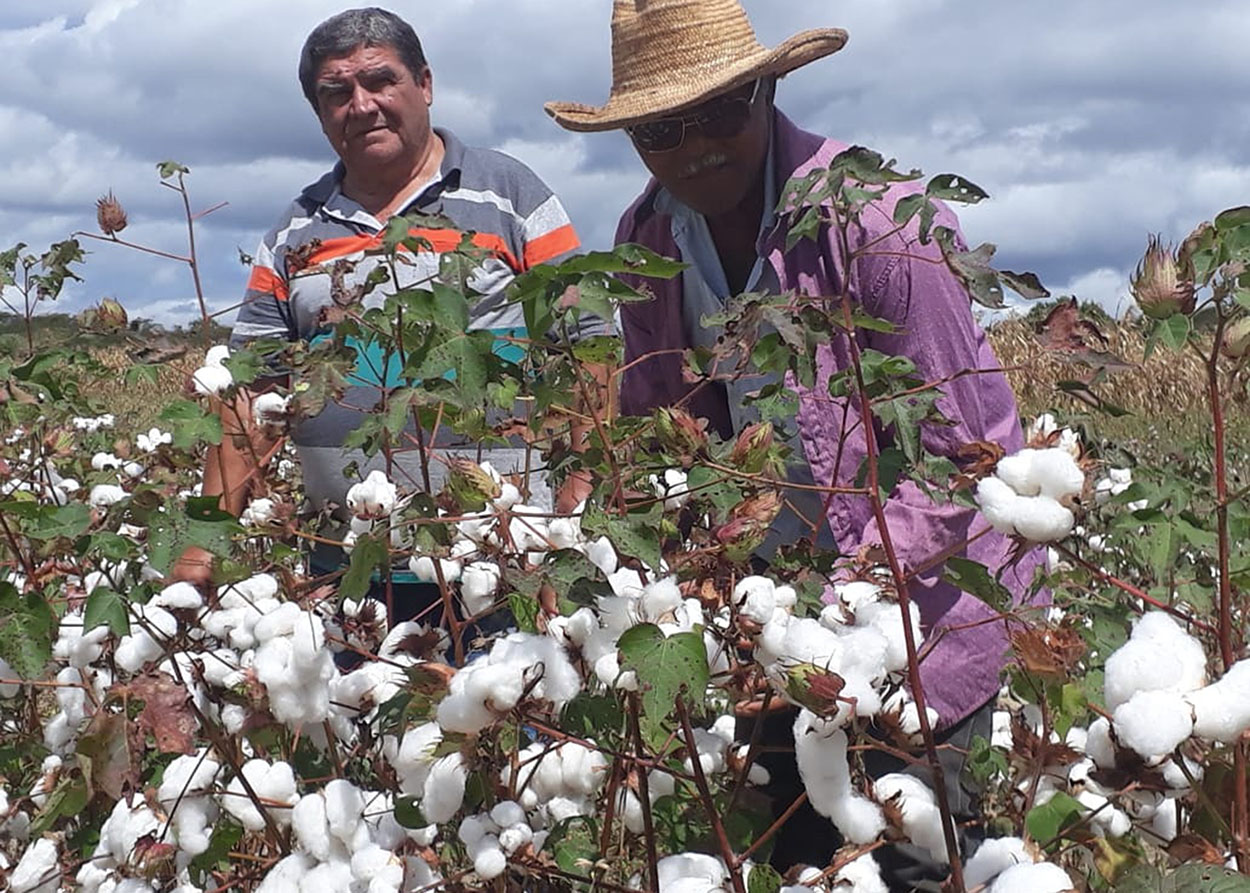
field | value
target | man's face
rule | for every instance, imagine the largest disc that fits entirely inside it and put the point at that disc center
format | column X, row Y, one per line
column 712, row 174
column 373, row 111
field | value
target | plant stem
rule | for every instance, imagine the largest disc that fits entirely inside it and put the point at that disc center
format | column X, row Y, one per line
column 644, row 798
column 709, row 805
column 956, row 882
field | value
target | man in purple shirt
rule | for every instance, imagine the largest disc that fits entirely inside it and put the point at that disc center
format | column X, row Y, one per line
column 694, row 90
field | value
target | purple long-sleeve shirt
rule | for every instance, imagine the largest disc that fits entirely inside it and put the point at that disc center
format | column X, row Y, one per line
column 907, row 283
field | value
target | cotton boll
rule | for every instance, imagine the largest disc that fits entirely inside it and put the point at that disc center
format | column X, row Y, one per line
column 1159, row 655
column 1043, row 520
column 1164, row 823
column 104, row 495
column 998, row 503
column 922, row 822
column 212, row 381
column 308, row 821
column 1057, row 474
column 1153, row 723
column 507, row 813
column 659, row 599
column 37, row 871
column 478, row 585
column 756, row 598
column 1041, row 877
column 994, row 857
column 1222, row 710
column 508, row 496
column 862, row 875
column 490, row 863
column 444, row 789
column 602, row 554
column 515, row 837
column 820, row 752
column 1019, row 472
column 274, row 783
column 179, row 596
column 374, row 497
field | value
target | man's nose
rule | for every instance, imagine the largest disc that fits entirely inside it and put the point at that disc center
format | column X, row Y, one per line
column 363, row 101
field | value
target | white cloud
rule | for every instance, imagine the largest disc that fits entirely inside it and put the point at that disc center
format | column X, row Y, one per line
column 1091, row 124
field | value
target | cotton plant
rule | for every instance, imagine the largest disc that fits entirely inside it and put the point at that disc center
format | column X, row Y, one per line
column 1030, row 493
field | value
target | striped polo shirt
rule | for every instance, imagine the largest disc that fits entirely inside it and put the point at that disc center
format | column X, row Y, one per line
column 511, row 214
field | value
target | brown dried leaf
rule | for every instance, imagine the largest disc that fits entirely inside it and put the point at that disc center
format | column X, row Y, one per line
column 1064, row 331
column 165, row 713
column 1192, row 848
column 975, row 460
column 104, row 755
column 1050, row 653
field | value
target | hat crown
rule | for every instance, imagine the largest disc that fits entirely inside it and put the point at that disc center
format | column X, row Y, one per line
column 658, row 42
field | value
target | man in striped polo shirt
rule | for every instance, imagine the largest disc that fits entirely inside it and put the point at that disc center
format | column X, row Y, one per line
column 367, row 79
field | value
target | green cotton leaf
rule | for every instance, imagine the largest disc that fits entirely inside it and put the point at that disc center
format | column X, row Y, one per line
column 1045, row 823
column 1232, row 218
column 575, row 844
column 408, row 813
column 190, row 424
column 168, row 168
column 868, row 167
column 664, row 667
column 975, row 579
column 524, row 610
column 763, row 879
column 908, row 207
column 368, row 555
column 636, row 535
column 198, row 523
column 1145, row 878
column 598, row 349
column 592, row 715
column 1173, row 331
column 53, row 522
column 107, row 608
column 954, row 188
column 904, row 415
column 69, row 798
column 27, row 628
column 973, row 269
column 142, row 374
column 1026, row 285
column 890, row 465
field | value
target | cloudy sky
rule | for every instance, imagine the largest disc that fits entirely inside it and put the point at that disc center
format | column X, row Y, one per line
column 1090, row 123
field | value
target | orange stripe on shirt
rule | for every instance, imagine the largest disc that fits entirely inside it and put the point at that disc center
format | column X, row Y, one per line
column 268, row 282
column 549, row 245
column 441, row 241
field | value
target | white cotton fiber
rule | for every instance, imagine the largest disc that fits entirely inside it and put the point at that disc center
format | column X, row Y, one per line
column 1153, row 723
column 1222, row 709
column 37, row 871
column 1159, row 656
column 1041, row 877
column 444, row 789
column 922, row 821
column 1057, row 474
column 994, row 857
column 997, row 502
column 1019, row 472
column 1043, row 520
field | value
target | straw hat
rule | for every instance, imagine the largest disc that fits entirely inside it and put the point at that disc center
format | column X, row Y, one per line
column 670, row 54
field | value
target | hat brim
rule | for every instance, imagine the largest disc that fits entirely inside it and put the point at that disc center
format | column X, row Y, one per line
column 625, row 110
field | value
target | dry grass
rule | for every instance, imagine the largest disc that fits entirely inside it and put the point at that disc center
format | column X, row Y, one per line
column 137, row 404
column 1167, row 384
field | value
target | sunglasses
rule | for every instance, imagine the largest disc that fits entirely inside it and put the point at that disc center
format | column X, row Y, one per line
column 720, row 118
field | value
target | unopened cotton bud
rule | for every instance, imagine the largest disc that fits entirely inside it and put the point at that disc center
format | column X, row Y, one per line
column 1160, row 286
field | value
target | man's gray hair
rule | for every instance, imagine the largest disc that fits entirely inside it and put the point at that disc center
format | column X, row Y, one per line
column 342, row 34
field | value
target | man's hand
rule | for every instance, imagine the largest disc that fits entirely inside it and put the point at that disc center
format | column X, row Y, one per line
column 194, row 566
column 575, row 490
